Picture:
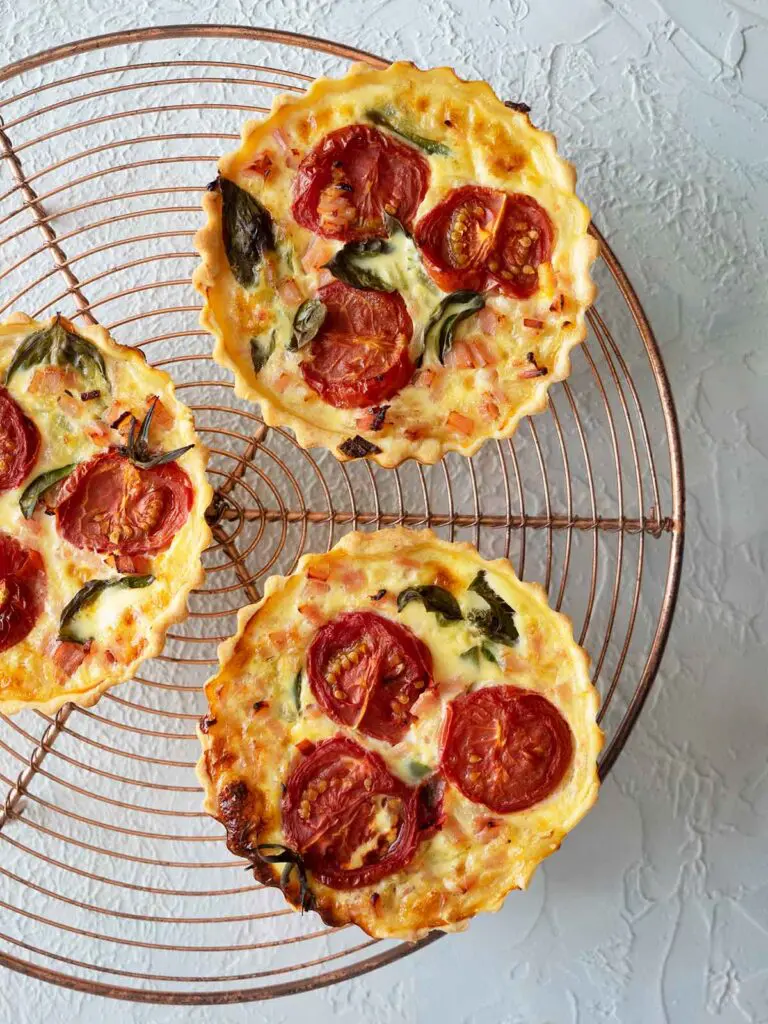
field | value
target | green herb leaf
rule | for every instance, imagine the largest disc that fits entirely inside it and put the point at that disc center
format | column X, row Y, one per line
column 247, row 232
column 438, row 334
column 88, row 594
column 353, row 264
column 489, row 654
column 56, row 346
column 418, row 770
column 378, row 264
column 34, row 491
column 261, row 350
column 498, row 623
column 472, row 654
column 435, row 599
column 307, row 322
column 383, row 118
column 358, row 448
column 297, row 691
column 276, row 853
column 137, row 449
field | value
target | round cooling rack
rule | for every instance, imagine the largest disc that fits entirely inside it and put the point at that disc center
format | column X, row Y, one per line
column 112, row 880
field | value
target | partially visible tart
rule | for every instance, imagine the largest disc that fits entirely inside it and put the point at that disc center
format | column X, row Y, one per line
column 102, row 512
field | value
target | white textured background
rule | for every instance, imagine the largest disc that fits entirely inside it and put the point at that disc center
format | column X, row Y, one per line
column 657, row 909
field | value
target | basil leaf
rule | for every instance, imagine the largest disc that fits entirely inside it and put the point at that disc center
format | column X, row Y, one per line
column 88, row 594
column 498, row 623
column 418, row 770
column 352, row 264
column 34, row 491
column 33, row 350
column 358, row 448
column 485, row 650
column 81, row 354
column 297, row 691
column 56, row 346
column 490, row 655
column 261, row 350
column 438, row 334
column 293, row 861
column 307, row 322
column 382, row 118
column 435, row 599
column 247, row 232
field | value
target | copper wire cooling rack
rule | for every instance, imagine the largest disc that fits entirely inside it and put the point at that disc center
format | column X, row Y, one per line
column 112, row 881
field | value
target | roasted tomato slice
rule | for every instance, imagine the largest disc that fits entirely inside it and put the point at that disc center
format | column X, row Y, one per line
column 456, row 237
column 111, row 506
column 19, row 442
column 355, row 174
column 22, row 590
column 367, row 671
column 523, row 241
column 479, row 237
column 350, row 818
column 505, row 748
column 360, row 355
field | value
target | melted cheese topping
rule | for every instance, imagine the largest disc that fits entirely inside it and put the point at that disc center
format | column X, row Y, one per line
column 126, row 625
column 488, row 144
column 469, row 865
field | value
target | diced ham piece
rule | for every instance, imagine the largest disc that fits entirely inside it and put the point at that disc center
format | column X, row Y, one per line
column 316, row 588
column 290, row 155
column 351, row 578
column 486, row 827
column 489, row 409
column 53, row 380
column 482, row 353
column 289, row 292
column 100, row 434
column 319, row 252
column 312, row 613
column 131, row 563
column 425, row 704
column 460, row 423
column 513, row 662
column 68, row 657
column 459, row 357
column 319, row 571
column 487, row 320
column 69, row 406
column 162, row 420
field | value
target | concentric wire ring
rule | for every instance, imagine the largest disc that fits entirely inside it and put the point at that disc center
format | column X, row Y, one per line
column 112, row 880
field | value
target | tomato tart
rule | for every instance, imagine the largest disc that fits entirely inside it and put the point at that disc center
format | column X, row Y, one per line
column 395, row 265
column 102, row 512
column 398, row 733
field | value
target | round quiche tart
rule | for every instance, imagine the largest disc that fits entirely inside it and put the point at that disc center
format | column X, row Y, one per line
column 102, row 512
column 395, row 265
column 399, row 733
